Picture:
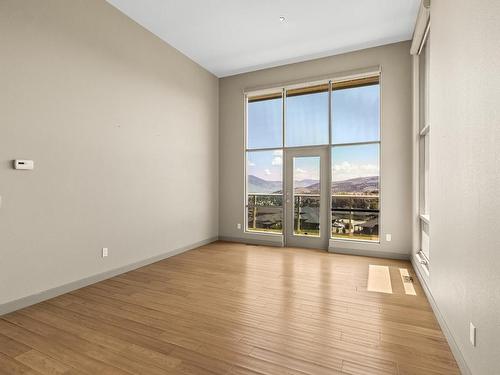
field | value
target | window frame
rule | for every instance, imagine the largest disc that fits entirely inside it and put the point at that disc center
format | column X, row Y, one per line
column 264, row 92
column 343, row 78
column 270, row 233
column 371, row 80
column 423, row 150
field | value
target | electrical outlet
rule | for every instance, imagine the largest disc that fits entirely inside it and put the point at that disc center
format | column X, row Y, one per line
column 388, row 237
column 472, row 334
column 104, row 252
column 238, row 226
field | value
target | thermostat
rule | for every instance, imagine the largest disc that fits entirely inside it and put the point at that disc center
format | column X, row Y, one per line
column 24, row 164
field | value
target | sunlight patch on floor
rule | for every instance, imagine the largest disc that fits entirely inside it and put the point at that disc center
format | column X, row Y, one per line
column 408, row 285
column 379, row 279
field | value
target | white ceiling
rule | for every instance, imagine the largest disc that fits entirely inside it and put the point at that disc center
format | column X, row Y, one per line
column 234, row 36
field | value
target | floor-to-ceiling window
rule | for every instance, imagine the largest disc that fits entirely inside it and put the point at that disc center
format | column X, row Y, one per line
column 342, row 115
column 264, row 160
column 355, row 159
column 424, row 141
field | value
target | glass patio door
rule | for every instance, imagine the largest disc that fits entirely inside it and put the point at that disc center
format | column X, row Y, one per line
column 306, row 197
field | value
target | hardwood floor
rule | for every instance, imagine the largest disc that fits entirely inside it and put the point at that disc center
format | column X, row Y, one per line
column 229, row 308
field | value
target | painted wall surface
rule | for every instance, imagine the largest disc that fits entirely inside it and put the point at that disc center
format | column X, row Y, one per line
column 465, row 174
column 396, row 156
column 123, row 130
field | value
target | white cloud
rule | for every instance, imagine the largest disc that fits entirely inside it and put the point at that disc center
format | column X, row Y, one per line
column 370, row 168
column 267, row 172
column 277, row 153
column 251, row 164
column 277, row 160
column 346, row 170
column 300, row 170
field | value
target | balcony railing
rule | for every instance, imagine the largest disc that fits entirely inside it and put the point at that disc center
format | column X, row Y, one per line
column 353, row 216
column 265, row 212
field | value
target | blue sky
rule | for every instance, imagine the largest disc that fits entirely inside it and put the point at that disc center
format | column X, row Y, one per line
column 307, row 120
column 306, row 168
column 355, row 114
column 355, row 161
column 264, row 124
column 265, row 164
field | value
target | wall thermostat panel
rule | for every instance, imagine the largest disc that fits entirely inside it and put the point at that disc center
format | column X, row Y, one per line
column 24, row 164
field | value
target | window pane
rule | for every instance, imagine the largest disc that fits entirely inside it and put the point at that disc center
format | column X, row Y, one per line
column 424, row 238
column 356, row 114
column 307, row 116
column 427, row 78
column 424, row 139
column 422, row 81
column 423, row 76
column 424, row 174
column 355, row 192
column 265, row 191
column 306, row 195
column 355, row 225
column 355, row 169
column 265, row 121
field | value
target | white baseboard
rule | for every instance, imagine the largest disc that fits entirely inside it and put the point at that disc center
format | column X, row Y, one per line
column 368, row 253
column 251, row 241
column 54, row 292
column 464, row 369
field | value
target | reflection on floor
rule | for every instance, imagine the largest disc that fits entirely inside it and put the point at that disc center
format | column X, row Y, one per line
column 379, row 279
column 407, row 281
column 229, row 308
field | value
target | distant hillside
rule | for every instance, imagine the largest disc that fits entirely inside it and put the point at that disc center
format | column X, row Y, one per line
column 311, row 189
column 305, row 183
column 361, row 185
column 356, row 185
column 259, row 185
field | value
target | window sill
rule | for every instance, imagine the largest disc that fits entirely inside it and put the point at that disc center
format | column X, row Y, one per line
column 355, row 241
column 263, row 233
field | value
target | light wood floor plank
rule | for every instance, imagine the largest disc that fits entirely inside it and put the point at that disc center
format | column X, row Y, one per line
column 42, row 363
column 229, row 308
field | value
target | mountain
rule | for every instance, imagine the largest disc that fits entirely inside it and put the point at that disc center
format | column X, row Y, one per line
column 356, row 185
column 305, row 183
column 259, row 185
column 311, row 189
column 361, row 185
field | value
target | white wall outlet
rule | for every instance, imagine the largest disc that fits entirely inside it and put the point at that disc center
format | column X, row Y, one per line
column 238, row 226
column 388, row 237
column 104, row 252
column 472, row 334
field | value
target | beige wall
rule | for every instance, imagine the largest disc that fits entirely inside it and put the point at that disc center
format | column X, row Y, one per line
column 396, row 173
column 123, row 130
column 465, row 174
column 124, row 133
